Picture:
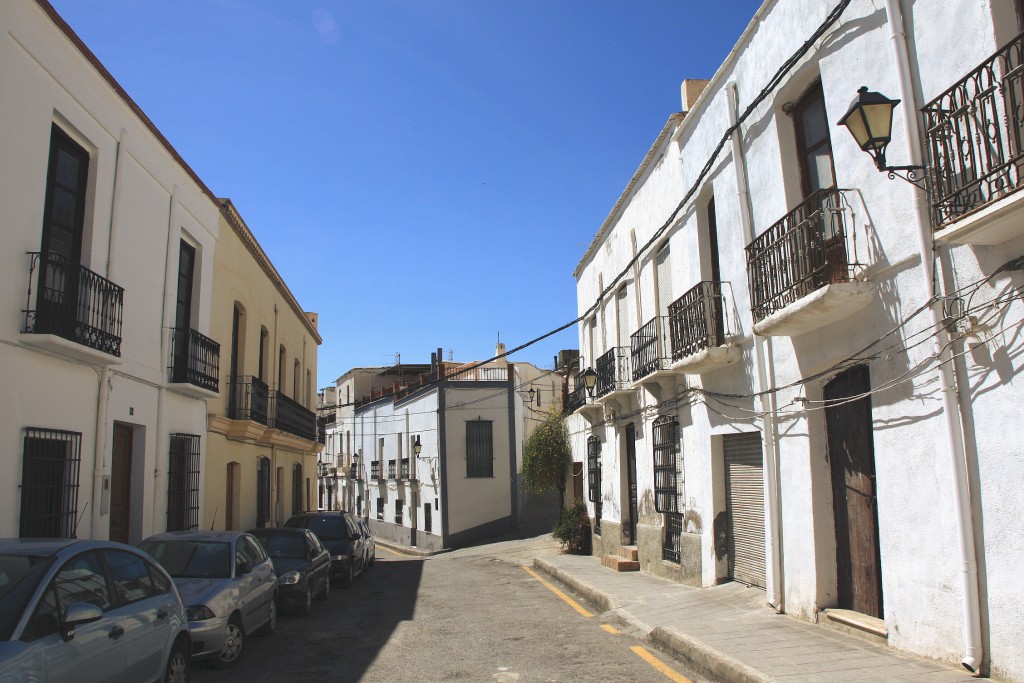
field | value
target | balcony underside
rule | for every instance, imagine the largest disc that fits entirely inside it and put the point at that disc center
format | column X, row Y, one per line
column 193, row 390
column 706, row 360
column 70, row 349
column 821, row 307
column 994, row 224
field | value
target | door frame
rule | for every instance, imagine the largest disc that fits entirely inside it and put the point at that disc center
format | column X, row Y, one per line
column 120, row 493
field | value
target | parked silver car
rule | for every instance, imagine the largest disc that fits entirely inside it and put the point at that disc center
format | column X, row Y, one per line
column 228, row 585
column 88, row 611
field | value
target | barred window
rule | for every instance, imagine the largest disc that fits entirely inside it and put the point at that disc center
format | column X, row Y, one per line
column 673, row 531
column 49, row 483
column 666, row 464
column 479, row 449
column 398, row 511
column 427, row 523
column 183, row 483
column 594, row 479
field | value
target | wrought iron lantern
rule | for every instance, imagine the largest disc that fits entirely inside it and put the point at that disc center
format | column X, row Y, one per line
column 869, row 120
column 417, row 447
column 590, row 380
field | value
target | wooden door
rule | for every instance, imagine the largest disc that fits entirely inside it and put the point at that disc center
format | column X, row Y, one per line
column 631, row 475
column 121, row 484
column 854, row 494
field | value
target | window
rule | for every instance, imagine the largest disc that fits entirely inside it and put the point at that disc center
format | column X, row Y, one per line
column 399, row 504
column 64, row 209
column 183, row 483
column 296, row 378
column 262, row 368
column 392, row 471
column 280, row 367
column 594, row 479
column 296, row 488
column 426, row 518
column 380, row 509
column 673, row 534
column 49, row 483
column 814, row 147
column 130, row 575
column 82, row 580
column 667, row 475
column 479, row 449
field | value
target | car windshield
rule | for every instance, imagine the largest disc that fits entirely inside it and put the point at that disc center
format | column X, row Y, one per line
column 283, row 545
column 327, row 528
column 192, row 559
column 19, row 576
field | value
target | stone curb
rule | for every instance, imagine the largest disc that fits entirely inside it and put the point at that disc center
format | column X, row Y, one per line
column 705, row 660
column 598, row 598
column 407, row 550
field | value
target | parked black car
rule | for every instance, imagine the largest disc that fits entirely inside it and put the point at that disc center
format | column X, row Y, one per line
column 340, row 534
column 302, row 565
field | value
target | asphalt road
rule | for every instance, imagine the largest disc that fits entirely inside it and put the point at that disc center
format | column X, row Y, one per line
column 474, row 615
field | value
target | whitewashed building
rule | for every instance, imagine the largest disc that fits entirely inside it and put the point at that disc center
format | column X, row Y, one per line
column 439, row 455
column 106, row 278
column 807, row 369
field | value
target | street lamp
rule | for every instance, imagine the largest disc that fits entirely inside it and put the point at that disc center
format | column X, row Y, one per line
column 416, row 447
column 869, row 120
column 590, row 380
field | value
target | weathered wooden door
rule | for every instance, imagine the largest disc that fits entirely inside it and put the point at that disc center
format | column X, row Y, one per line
column 121, row 484
column 631, row 475
column 851, row 456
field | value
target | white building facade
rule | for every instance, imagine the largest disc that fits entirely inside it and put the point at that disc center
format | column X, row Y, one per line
column 109, row 239
column 805, row 374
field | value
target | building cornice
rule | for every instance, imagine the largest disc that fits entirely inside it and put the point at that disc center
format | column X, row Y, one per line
column 234, row 219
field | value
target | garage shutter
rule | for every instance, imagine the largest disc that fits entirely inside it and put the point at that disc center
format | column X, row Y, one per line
column 744, row 496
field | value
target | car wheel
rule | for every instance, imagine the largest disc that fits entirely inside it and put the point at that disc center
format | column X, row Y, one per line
column 268, row 628
column 325, row 592
column 346, row 581
column 234, row 642
column 177, row 664
column 307, row 602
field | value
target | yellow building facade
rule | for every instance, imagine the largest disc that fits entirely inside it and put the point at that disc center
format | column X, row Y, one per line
column 262, row 432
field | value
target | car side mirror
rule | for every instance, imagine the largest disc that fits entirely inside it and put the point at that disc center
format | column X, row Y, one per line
column 78, row 613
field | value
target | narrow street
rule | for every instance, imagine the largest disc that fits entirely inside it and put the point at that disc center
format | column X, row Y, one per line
column 471, row 616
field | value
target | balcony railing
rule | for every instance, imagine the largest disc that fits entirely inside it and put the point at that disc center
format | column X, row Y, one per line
column 578, row 395
column 975, row 136
column 803, row 252
column 405, row 468
column 375, row 470
column 249, row 399
column 613, row 371
column 392, row 470
column 292, row 417
column 697, row 320
column 195, row 359
column 73, row 303
column 649, row 348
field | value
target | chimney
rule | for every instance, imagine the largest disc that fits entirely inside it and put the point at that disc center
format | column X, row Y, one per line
column 691, row 90
column 499, row 352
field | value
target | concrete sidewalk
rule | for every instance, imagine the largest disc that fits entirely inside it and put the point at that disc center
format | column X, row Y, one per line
column 727, row 634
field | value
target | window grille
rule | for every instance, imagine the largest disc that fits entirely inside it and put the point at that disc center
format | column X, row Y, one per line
column 673, row 532
column 594, row 479
column 49, row 483
column 374, row 470
column 479, row 449
column 666, row 464
column 392, row 470
column 427, row 523
column 183, row 483
column 296, row 488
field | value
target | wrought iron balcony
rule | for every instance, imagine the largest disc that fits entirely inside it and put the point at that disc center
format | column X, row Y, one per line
column 578, row 395
column 649, row 348
column 73, row 303
column 975, row 140
column 375, row 470
column 249, row 399
column 613, row 372
column 292, row 417
column 697, row 320
column 195, row 359
column 802, row 252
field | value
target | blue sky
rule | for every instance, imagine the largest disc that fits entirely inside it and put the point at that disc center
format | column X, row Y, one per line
column 423, row 173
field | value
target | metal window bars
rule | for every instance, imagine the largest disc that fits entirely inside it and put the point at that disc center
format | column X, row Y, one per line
column 183, row 482
column 51, row 461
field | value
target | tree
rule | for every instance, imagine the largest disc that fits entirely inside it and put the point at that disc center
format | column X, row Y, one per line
column 546, row 457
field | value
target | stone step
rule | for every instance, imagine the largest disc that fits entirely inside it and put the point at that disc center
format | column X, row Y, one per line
column 629, row 552
column 620, row 564
column 855, row 623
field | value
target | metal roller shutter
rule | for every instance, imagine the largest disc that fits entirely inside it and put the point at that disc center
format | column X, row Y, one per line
column 744, row 497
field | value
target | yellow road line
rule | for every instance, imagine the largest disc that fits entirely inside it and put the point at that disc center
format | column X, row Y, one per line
column 572, row 603
column 642, row 652
column 611, row 629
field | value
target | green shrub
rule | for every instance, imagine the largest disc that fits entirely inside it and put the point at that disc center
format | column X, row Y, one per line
column 573, row 529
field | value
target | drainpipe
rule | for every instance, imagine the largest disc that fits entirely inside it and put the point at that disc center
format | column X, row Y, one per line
column 159, row 463
column 765, row 377
column 101, row 491
column 945, row 368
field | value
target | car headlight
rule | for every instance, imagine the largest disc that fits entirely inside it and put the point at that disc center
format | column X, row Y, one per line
column 289, row 578
column 199, row 613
